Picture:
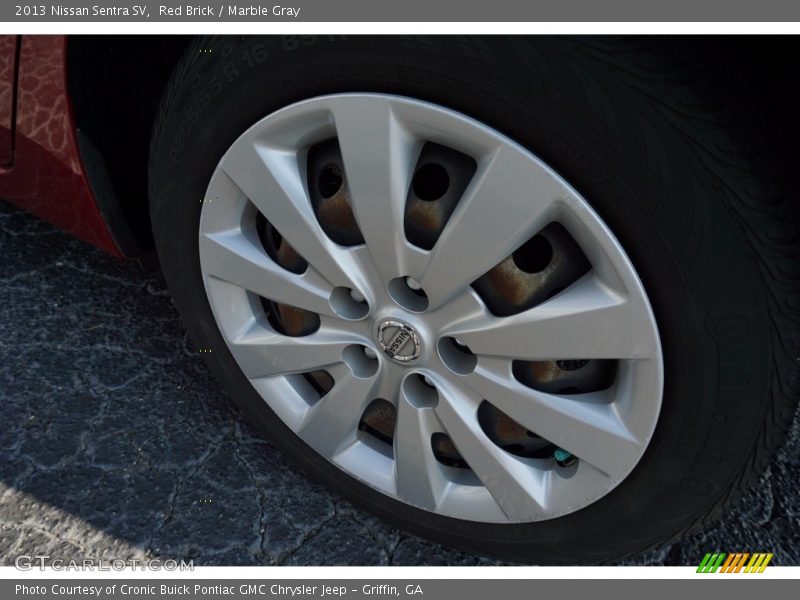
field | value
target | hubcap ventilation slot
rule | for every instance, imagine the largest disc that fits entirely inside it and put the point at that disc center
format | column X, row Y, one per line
column 440, row 177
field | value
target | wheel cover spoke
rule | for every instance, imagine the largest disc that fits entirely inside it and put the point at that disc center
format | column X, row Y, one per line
column 235, row 259
column 332, row 423
column 586, row 426
column 517, row 488
column 588, row 320
column 419, row 476
column 263, row 353
column 478, row 235
column 271, row 178
column 379, row 156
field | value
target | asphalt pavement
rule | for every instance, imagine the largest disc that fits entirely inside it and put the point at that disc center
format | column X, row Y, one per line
column 116, row 442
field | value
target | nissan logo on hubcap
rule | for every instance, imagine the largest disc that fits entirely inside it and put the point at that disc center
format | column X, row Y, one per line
column 398, row 341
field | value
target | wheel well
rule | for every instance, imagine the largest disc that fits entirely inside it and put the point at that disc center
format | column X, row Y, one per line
column 115, row 84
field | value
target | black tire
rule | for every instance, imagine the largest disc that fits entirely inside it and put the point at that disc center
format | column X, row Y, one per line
column 669, row 165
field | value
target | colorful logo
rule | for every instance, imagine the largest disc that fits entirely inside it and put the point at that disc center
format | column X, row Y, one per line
column 735, row 562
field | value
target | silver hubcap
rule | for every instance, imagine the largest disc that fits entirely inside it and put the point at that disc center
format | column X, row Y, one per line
column 430, row 307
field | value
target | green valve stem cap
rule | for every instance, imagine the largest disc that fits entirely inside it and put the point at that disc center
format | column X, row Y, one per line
column 564, row 458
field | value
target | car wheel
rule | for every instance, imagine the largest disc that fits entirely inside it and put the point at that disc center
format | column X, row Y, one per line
column 506, row 293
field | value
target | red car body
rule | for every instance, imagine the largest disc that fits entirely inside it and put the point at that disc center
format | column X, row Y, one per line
column 41, row 169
